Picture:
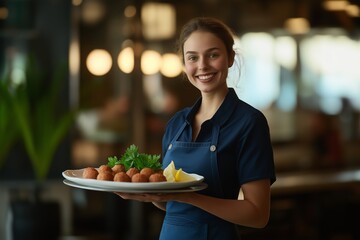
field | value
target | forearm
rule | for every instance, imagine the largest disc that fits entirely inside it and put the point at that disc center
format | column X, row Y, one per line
column 251, row 210
column 241, row 212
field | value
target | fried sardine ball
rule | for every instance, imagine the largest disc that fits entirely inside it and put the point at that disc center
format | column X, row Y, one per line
column 107, row 176
column 122, row 177
column 138, row 177
column 147, row 171
column 132, row 171
column 118, row 168
column 105, row 168
column 90, row 173
column 157, row 177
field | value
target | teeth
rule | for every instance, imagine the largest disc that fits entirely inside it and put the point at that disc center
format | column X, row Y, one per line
column 204, row 77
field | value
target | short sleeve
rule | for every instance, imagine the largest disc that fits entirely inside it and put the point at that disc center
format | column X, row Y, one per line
column 255, row 160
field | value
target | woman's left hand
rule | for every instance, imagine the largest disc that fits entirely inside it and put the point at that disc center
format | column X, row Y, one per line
column 152, row 197
column 142, row 197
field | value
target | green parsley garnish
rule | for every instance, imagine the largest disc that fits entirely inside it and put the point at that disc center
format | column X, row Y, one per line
column 132, row 158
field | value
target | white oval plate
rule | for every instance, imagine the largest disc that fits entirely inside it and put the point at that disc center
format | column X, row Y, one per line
column 76, row 177
column 197, row 187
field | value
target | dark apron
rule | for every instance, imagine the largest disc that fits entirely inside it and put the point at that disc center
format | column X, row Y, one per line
column 184, row 221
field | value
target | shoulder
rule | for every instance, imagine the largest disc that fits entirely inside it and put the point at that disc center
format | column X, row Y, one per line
column 240, row 108
column 179, row 117
column 176, row 121
column 248, row 114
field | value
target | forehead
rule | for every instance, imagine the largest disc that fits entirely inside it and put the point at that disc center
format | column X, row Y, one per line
column 201, row 41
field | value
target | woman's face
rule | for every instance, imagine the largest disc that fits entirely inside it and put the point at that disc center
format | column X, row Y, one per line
column 206, row 61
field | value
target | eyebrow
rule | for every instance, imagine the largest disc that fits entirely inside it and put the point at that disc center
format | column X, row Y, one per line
column 208, row 50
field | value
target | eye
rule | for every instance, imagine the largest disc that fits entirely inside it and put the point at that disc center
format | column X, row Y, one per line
column 213, row 55
column 192, row 58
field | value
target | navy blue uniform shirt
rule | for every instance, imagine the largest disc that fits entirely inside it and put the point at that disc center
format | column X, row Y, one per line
column 244, row 150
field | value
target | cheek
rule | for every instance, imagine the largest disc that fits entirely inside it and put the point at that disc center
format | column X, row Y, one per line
column 189, row 70
column 221, row 64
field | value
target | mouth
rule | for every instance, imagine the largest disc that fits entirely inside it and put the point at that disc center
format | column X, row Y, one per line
column 205, row 77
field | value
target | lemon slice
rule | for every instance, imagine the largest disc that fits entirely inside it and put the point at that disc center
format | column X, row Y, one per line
column 173, row 175
column 170, row 172
column 182, row 176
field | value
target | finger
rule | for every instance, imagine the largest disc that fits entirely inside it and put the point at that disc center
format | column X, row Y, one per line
column 123, row 195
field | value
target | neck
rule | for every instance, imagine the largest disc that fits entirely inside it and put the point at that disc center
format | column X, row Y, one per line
column 210, row 103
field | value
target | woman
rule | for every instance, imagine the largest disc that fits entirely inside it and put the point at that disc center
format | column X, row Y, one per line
column 221, row 138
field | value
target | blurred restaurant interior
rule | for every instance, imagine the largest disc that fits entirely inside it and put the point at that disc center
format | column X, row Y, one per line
column 82, row 80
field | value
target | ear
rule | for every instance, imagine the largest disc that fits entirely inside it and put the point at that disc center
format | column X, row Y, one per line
column 231, row 58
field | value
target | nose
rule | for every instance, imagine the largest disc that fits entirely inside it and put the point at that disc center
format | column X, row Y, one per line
column 203, row 64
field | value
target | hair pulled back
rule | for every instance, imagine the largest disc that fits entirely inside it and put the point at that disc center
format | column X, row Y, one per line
column 206, row 24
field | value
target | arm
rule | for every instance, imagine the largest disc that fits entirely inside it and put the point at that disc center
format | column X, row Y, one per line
column 252, row 211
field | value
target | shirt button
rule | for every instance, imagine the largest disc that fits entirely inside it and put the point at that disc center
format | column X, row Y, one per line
column 170, row 146
column 212, row 148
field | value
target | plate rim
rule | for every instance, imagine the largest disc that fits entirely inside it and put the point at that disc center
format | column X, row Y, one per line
column 198, row 187
column 73, row 176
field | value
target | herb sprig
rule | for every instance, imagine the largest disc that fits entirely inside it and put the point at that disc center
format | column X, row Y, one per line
column 132, row 158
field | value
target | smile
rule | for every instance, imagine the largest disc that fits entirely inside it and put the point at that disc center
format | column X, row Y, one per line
column 205, row 77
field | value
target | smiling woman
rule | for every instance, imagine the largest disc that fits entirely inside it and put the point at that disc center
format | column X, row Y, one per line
column 206, row 61
column 220, row 138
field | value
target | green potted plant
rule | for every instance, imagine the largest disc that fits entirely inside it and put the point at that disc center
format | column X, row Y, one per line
column 43, row 122
column 8, row 128
column 41, row 119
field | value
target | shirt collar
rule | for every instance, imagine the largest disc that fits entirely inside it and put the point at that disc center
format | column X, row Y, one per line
column 222, row 114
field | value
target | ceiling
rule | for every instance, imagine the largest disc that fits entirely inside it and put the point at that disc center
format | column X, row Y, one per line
column 246, row 15
column 253, row 15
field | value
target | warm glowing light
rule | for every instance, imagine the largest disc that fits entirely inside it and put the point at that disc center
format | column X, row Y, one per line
column 150, row 62
column 4, row 13
column 335, row 5
column 93, row 11
column 74, row 57
column 77, row 2
column 130, row 11
column 126, row 60
column 99, row 62
column 297, row 25
column 171, row 65
column 158, row 20
column 353, row 10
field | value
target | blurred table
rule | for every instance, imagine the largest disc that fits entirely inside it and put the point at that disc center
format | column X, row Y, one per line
column 52, row 190
column 304, row 182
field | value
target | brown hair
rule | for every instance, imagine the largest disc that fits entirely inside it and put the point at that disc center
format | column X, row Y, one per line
column 206, row 24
